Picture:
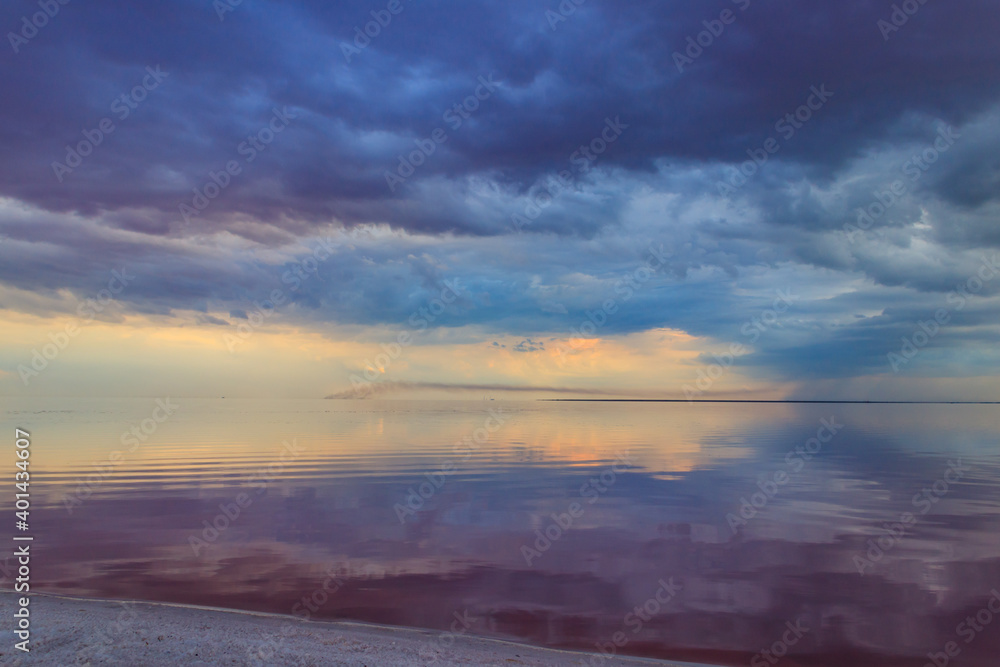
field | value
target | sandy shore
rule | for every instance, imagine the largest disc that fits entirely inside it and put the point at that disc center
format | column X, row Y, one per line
column 69, row 631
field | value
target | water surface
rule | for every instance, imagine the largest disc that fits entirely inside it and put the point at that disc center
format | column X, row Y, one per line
column 446, row 516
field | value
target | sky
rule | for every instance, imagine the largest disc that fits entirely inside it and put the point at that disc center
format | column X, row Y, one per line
column 405, row 198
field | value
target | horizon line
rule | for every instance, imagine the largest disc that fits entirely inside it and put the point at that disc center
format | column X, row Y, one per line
column 744, row 400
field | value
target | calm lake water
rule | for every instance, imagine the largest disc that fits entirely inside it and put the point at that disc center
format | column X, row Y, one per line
column 693, row 532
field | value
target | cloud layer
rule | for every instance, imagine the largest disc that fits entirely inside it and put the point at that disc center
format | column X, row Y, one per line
column 535, row 154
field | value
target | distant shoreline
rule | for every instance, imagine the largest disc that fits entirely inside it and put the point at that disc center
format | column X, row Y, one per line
column 740, row 400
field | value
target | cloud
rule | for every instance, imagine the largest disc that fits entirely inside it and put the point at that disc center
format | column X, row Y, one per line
column 529, row 345
column 519, row 154
column 223, row 81
column 380, row 389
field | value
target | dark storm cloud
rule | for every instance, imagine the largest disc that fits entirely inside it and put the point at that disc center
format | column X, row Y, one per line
column 224, row 78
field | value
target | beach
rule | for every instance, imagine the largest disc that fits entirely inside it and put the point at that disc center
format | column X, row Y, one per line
column 73, row 631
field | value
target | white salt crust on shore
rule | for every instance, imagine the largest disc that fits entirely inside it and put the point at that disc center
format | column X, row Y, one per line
column 71, row 631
